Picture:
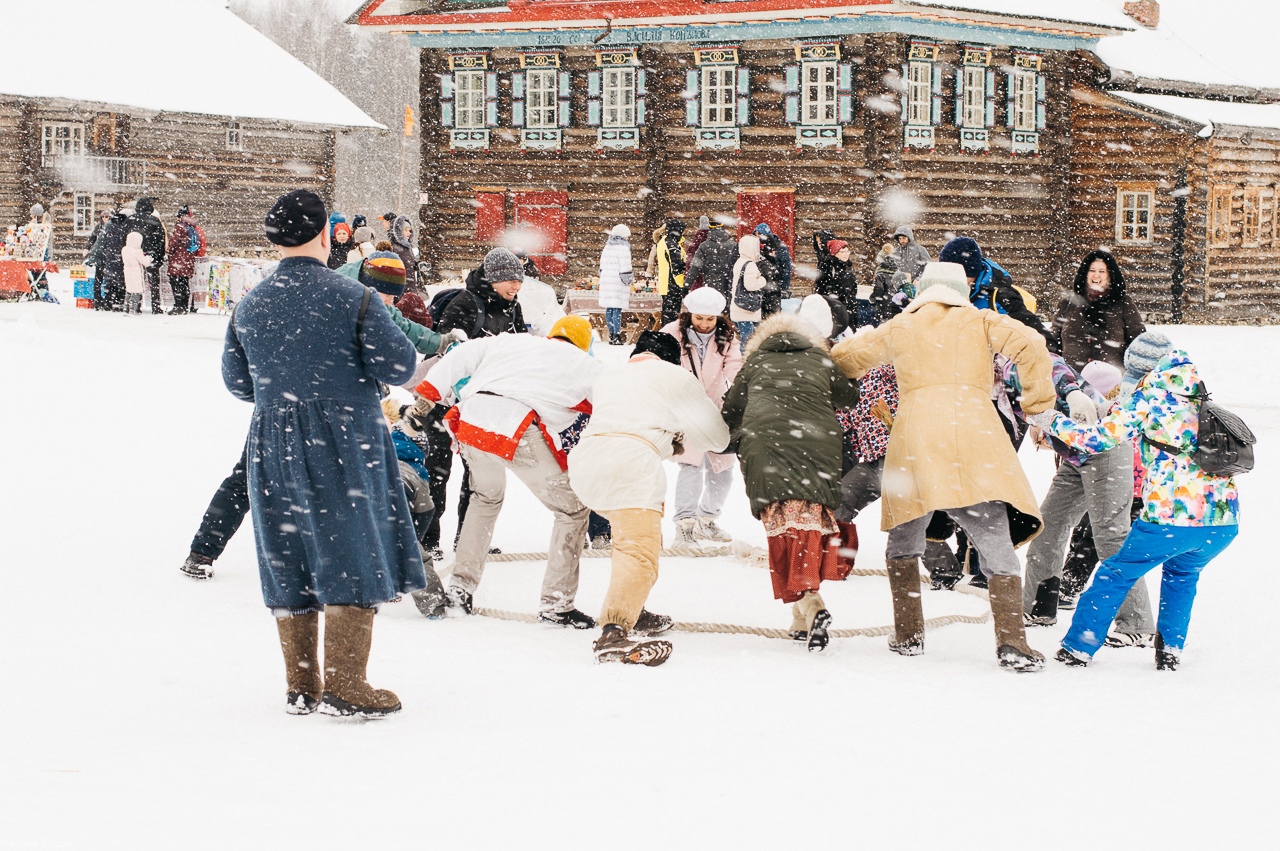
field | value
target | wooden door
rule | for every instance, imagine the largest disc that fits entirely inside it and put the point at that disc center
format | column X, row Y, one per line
column 491, row 216
column 545, row 213
column 773, row 207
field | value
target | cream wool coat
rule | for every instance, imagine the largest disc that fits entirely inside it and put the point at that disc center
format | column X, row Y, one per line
column 947, row 448
column 638, row 407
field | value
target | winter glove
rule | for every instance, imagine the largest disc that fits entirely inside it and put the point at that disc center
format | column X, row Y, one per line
column 416, row 416
column 1038, row 439
column 880, row 410
column 1082, row 408
column 449, row 339
column 677, row 443
column 1044, row 419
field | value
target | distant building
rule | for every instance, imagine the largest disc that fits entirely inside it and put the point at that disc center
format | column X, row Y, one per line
column 193, row 107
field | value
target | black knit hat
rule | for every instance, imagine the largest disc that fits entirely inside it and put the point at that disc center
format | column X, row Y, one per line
column 658, row 343
column 296, row 218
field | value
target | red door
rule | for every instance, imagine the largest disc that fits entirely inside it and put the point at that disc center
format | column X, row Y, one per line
column 773, row 207
column 491, row 216
column 543, row 219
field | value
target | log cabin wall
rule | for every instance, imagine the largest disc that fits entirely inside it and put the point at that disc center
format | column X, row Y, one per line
column 1115, row 146
column 188, row 160
column 1242, row 280
column 13, row 206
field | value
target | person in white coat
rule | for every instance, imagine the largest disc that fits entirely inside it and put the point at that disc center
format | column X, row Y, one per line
column 515, row 393
column 745, row 287
column 135, row 270
column 645, row 411
column 616, row 280
column 709, row 350
column 538, row 302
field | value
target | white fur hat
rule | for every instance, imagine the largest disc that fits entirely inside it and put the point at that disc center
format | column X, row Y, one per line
column 705, row 301
column 817, row 312
column 621, row 230
column 950, row 275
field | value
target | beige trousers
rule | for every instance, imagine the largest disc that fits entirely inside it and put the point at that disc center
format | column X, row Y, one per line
column 637, row 540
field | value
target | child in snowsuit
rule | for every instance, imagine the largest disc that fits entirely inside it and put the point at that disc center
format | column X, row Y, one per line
column 135, row 264
column 1189, row 516
column 411, row 448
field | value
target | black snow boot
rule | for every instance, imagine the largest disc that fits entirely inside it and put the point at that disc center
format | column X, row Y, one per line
column 613, row 645
column 197, row 566
column 1044, row 612
column 1167, row 658
column 573, row 618
column 459, row 599
column 433, row 606
column 1071, row 660
column 650, row 624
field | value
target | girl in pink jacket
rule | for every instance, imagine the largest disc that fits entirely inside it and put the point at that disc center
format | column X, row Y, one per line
column 134, row 264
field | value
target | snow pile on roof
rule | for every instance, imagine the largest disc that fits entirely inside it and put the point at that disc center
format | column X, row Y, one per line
column 1210, row 113
column 1224, row 43
column 1094, row 12
column 166, row 55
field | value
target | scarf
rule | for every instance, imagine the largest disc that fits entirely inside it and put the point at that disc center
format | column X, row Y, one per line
column 700, row 342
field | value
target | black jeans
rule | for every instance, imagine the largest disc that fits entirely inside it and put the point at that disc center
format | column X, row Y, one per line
column 225, row 513
column 153, row 282
column 181, row 286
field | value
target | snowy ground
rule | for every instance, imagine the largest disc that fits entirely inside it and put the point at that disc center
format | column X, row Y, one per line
column 145, row 709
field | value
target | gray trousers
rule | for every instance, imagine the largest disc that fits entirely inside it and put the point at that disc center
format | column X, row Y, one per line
column 1103, row 487
column 701, row 491
column 986, row 524
column 534, row 465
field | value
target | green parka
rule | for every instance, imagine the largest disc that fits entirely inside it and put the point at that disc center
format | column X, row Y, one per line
column 782, row 407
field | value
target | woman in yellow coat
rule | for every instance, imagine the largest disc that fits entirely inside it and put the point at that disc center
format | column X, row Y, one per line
column 948, row 450
column 666, row 267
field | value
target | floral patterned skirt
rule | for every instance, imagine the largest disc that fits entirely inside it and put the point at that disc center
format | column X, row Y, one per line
column 807, row 546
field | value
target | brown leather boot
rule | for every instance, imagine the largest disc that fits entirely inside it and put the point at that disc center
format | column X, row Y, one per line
column 300, row 641
column 908, row 613
column 348, row 633
column 1011, row 635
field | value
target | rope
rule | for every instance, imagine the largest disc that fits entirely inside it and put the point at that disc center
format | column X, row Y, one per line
column 673, row 552
column 764, row 631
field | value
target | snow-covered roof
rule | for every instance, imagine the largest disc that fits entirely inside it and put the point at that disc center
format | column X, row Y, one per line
column 1223, row 43
column 165, row 55
column 1094, row 12
column 1210, row 113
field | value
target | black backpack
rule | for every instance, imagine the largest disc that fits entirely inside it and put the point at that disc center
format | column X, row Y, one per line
column 445, row 297
column 1224, row 444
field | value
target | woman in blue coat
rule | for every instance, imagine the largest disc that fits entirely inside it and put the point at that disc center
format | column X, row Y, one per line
column 307, row 346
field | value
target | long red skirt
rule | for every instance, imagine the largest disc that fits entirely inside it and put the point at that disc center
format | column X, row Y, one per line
column 799, row 560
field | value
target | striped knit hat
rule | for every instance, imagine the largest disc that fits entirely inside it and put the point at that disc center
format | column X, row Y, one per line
column 384, row 272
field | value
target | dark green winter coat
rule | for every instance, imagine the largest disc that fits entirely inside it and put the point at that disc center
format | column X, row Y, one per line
column 782, row 407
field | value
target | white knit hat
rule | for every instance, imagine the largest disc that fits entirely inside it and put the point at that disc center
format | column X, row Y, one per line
column 950, row 275
column 817, row 312
column 705, row 301
column 1101, row 376
column 621, row 230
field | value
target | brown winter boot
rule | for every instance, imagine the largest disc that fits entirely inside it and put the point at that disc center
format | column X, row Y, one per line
column 348, row 633
column 908, row 612
column 1011, row 635
column 300, row 641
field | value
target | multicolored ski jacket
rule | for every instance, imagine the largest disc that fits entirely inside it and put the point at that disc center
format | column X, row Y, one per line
column 1164, row 408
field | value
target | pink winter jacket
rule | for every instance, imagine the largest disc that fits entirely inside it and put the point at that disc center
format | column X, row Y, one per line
column 716, row 372
column 134, row 263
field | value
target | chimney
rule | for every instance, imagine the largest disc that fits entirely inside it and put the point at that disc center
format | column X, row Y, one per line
column 1145, row 12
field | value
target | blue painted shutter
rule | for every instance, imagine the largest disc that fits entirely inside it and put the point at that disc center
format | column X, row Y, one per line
column 935, row 107
column 593, row 98
column 517, row 98
column 642, row 96
column 844, row 93
column 692, row 104
column 906, row 91
column 491, row 99
column 990, row 116
column 563, row 101
column 960, row 72
column 1011, row 83
column 446, row 100
column 1040, row 102
column 792, row 99
column 743, row 101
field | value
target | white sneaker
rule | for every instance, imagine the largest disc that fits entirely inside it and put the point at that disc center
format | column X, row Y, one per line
column 685, row 534
column 707, row 530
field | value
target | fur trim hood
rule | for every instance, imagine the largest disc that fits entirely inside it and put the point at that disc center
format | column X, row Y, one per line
column 785, row 323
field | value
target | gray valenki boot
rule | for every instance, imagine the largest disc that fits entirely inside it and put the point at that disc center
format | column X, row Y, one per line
column 300, row 641
column 348, row 634
column 908, row 611
column 1011, row 635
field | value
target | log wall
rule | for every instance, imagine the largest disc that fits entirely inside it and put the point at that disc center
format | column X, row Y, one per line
column 1243, row 280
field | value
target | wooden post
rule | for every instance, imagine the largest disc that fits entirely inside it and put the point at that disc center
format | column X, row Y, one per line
column 1177, row 262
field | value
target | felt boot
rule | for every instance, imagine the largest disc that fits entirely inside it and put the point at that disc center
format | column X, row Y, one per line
column 300, row 641
column 799, row 623
column 1011, row 635
column 348, row 634
column 908, row 611
column 816, row 619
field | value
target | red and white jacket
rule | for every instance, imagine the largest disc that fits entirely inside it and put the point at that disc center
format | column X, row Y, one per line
column 504, row 384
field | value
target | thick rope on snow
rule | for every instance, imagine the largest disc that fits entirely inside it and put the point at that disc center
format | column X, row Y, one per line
column 673, row 552
column 762, row 631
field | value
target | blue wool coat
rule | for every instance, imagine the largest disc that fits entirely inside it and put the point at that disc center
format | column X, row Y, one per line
column 329, row 514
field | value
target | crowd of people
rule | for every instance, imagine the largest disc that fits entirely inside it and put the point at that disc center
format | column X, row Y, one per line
column 918, row 398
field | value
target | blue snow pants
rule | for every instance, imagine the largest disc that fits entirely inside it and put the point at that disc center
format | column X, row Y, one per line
column 1183, row 550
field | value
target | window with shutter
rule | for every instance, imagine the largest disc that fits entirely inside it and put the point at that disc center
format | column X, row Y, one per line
column 594, row 107
column 744, row 96
column 491, row 99
column 791, row 89
column 1026, row 93
column 469, row 99
column 1135, row 210
column 973, row 103
column 565, row 101
column 692, row 97
column 844, row 93
column 924, row 101
column 719, row 96
column 446, row 100
column 989, row 116
column 517, row 99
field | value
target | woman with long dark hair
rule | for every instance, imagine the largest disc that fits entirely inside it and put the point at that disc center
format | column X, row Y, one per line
column 1096, row 320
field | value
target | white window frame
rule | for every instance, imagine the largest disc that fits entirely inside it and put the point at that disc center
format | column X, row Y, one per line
column 920, row 92
column 819, row 93
column 83, row 214
column 1131, row 203
column 469, row 98
column 1024, row 99
column 541, row 98
column 1218, row 215
column 68, row 143
column 235, row 136
column 975, row 97
column 719, row 96
column 618, row 96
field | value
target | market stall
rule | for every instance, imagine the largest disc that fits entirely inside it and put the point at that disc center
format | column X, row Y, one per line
column 220, row 282
column 643, row 313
